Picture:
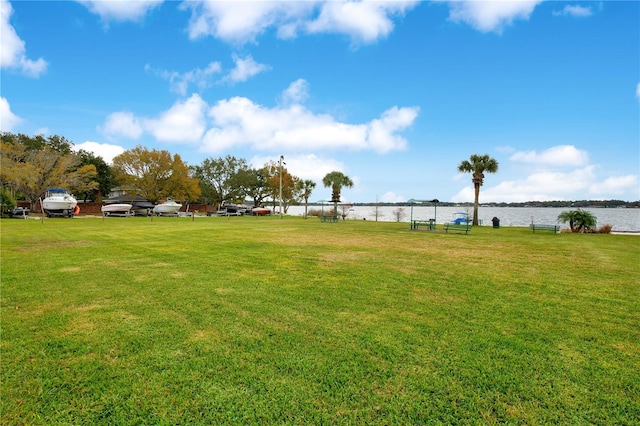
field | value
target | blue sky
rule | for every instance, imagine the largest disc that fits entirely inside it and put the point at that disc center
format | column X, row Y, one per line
column 393, row 94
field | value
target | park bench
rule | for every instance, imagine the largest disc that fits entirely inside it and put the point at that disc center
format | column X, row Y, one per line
column 466, row 227
column 329, row 218
column 541, row 227
column 430, row 224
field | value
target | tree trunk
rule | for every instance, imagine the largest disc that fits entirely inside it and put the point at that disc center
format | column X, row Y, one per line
column 476, row 187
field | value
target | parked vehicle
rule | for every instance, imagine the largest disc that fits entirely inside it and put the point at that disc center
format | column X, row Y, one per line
column 20, row 212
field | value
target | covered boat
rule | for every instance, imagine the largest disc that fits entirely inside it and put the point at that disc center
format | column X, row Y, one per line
column 58, row 202
column 460, row 218
column 140, row 205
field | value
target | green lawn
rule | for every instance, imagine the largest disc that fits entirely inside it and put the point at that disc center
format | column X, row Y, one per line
column 266, row 321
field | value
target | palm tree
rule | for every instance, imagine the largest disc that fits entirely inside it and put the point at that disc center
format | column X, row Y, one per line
column 336, row 180
column 579, row 220
column 305, row 188
column 478, row 165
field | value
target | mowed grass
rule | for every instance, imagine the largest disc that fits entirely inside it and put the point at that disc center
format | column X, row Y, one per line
column 266, row 321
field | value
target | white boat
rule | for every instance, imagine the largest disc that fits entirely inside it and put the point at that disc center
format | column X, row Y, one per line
column 117, row 209
column 58, row 202
column 169, row 207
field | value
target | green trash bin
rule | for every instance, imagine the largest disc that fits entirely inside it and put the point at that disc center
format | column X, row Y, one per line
column 496, row 222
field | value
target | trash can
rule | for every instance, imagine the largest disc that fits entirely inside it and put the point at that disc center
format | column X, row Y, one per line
column 496, row 222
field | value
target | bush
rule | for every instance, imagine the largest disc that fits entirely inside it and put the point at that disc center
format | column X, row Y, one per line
column 579, row 220
column 315, row 212
column 605, row 229
column 6, row 200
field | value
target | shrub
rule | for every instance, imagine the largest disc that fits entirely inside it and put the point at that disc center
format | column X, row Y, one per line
column 6, row 200
column 605, row 229
column 579, row 220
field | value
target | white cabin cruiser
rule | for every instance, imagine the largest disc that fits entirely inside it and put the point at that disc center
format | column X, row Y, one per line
column 58, row 202
column 169, row 207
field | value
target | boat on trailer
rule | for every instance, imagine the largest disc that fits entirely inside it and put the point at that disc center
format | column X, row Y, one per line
column 58, row 202
column 117, row 209
column 261, row 211
column 231, row 209
column 167, row 208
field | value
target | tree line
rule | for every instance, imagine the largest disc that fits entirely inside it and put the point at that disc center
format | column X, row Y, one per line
column 31, row 165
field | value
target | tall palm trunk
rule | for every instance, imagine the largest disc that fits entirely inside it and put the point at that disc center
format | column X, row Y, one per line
column 476, row 187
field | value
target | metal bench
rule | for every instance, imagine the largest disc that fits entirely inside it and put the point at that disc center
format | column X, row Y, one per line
column 542, row 227
column 466, row 227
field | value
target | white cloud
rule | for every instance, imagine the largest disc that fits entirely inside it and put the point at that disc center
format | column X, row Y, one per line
column 179, row 83
column 123, row 124
column 239, row 121
column 305, row 166
column 382, row 135
column 13, row 52
column 392, row 197
column 574, row 10
column 8, row 120
column 245, row 68
column 298, row 92
column 104, row 150
column 234, row 22
column 184, row 122
column 561, row 155
column 558, row 173
column 616, row 185
column 120, row 10
column 363, row 22
column 539, row 186
column 490, row 16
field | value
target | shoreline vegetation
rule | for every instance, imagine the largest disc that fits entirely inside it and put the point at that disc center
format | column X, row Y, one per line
column 262, row 320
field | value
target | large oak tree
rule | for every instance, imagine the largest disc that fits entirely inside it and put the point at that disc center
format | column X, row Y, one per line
column 155, row 174
column 30, row 166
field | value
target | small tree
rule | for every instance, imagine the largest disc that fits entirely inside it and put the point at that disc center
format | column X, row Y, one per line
column 336, row 180
column 579, row 220
column 6, row 200
column 305, row 188
column 399, row 214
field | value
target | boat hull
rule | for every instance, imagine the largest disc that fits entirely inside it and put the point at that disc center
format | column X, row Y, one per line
column 167, row 208
column 261, row 211
column 58, row 202
column 120, row 208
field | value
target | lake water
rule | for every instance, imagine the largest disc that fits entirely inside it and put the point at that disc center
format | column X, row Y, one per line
column 622, row 220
